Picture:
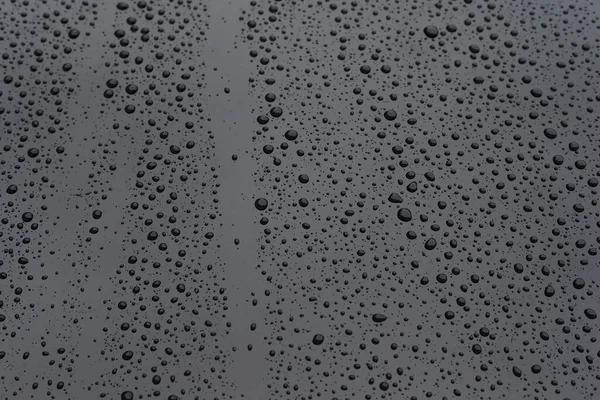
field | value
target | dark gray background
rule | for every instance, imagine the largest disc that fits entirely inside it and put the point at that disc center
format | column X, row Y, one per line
column 64, row 300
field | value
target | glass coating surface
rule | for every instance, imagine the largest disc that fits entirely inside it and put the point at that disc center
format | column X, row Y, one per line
column 298, row 199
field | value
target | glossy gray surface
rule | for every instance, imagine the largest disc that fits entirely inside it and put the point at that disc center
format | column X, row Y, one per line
column 299, row 200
